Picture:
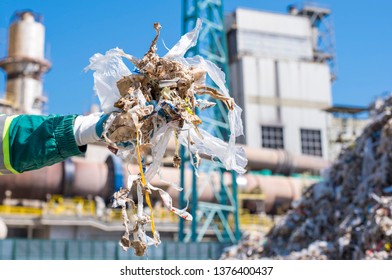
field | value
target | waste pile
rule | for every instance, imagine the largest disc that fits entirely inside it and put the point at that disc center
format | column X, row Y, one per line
column 250, row 247
column 149, row 106
column 346, row 216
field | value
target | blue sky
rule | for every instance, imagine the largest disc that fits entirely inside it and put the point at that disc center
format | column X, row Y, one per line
column 78, row 29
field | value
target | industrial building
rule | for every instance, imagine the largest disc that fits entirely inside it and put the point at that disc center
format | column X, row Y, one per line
column 281, row 76
column 278, row 76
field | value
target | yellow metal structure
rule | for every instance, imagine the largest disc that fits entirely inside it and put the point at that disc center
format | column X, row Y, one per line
column 80, row 207
column 58, row 205
column 20, row 210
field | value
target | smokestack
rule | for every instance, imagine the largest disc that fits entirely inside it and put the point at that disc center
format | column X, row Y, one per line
column 25, row 65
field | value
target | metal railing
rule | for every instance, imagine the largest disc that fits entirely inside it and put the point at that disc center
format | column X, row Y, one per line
column 79, row 207
column 20, row 210
column 37, row 249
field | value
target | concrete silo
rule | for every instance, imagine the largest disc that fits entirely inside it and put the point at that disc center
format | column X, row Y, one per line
column 25, row 65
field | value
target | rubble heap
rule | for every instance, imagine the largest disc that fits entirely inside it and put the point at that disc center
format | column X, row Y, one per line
column 149, row 106
column 346, row 216
column 250, row 247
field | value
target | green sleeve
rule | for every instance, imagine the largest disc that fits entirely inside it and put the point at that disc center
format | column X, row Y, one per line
column 38, row 141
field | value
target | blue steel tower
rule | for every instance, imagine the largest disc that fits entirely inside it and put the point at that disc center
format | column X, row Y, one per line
column 210, row 216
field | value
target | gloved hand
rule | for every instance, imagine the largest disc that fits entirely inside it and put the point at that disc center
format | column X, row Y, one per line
column 88, row 129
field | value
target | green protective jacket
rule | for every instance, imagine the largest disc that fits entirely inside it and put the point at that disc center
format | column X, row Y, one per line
column 30, row 142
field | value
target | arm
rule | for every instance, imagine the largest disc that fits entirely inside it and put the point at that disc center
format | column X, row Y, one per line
column 30, row 142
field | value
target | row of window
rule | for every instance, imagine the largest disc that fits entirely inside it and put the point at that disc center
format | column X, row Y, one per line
column 272, row 137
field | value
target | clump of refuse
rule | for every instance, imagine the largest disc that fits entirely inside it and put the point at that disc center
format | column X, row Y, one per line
column 346, row 216
column 147, row 107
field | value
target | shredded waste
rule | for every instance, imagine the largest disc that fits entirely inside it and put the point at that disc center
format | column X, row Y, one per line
column 346, row 216
column 147, row 107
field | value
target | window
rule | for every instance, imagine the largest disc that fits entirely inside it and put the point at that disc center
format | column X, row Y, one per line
column 272, row 137
column 311, row 142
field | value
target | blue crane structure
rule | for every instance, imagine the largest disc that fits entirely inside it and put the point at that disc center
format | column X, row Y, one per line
column 212, row 217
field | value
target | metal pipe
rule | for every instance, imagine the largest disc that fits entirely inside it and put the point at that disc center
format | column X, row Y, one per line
column 91, row 178
column 279, row 161
column 236, row 214
column 279, row 191
column 88, row 178
column 34, row 184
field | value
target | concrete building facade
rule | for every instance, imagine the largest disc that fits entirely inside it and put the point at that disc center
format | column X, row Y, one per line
column 277, row 80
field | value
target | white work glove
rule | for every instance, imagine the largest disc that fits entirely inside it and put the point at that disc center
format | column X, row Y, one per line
column 88, row 129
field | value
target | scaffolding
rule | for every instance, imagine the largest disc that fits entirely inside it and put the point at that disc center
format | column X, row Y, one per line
column 211, row 45
column 323, row 33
